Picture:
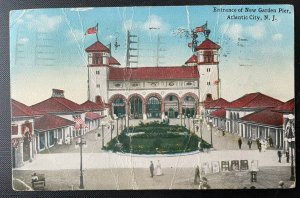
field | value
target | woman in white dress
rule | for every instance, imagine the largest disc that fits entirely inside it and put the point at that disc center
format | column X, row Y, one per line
column 158, row 169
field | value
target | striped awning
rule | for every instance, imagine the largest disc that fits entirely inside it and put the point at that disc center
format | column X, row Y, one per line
column 79, row 122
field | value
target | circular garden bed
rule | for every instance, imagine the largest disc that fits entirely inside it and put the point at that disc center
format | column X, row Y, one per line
column 156, row 138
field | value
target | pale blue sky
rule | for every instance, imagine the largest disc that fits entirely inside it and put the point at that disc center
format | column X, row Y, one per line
column 268, row 52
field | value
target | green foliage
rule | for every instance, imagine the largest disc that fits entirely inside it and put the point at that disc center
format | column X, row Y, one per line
column 156, row 138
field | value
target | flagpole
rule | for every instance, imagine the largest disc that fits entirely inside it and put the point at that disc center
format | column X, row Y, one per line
column 97, row 32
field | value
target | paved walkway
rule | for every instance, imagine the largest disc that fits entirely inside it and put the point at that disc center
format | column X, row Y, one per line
column 139, row 178
column 64, row 161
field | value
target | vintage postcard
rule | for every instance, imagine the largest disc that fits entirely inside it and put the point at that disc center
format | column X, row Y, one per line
column 162, row 97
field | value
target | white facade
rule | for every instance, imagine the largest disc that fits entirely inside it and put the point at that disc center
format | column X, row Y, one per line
column 187, row 90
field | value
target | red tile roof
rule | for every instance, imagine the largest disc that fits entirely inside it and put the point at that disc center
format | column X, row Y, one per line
column 21, row 110
column 220, row 113
column 287, row 107
column 192, row 59
column 113, row 61
column 154, row 73
column 92, row 106
column 93, row 116
column 97, row 47
column 266, row 116
column 219, row 103
column 57, row 105
column 255, row 100
column 48, row 122
column 208, row 44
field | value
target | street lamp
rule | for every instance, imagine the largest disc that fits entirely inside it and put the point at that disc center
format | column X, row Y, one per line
column 210, row 125
column 111, row 129
column 117, row 127
column 290, row 135
column 201, row 124
column 189, row 119
column 102, row 131
column 80, row 144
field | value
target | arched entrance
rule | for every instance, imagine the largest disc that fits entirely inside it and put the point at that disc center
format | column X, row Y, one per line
column 189, row 107
column 118, row 106
column 153, row 107
column 171, row 106
column 26, row 147
column 136, row 107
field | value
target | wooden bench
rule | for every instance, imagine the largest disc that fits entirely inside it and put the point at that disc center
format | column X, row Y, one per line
column 40, row 183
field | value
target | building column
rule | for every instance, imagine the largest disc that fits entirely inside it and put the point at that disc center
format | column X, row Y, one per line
column 280, row 139
column 276, row 137
column 257, row 132
column 19, row 154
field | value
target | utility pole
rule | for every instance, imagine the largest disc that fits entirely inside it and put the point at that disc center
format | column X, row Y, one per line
column 158, row 50
column 131, row 48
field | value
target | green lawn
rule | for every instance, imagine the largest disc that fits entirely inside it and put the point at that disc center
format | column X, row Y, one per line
column 155, row 138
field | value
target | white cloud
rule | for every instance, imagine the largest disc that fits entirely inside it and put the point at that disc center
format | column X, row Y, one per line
column 75, row 35
column 81, row 9
column 23, row 40
column 155, row 22
column 233, row 31
column 236, row 30
column 44, row 23
column 277, row 37
column 256, row 31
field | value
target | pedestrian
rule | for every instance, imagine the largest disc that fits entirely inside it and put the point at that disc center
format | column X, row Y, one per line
column 279, row 154
column 287, row 155
column 197, row 128
column 271, row 142
column 151, row 168
column 258, row 144
column 240, row 143
column 199, row 145
column 197, row 175
column 281, row 183
column 223, row 132
column 249, row 143
column 205, row 184
column 158, row 169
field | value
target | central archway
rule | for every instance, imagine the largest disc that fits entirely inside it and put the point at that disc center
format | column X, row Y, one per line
column 171, row 102
column 153, row 108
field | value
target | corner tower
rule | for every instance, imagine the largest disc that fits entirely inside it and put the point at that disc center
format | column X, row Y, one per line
column 98, row 69
column 208, row 66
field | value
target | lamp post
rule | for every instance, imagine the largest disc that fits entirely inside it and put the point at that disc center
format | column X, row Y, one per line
column 117, row 126
column 102, row 130
column 181, row 119
column 111, row 129
column 189, row 119
column 122, row 122
column 210, row 125
column 80, row 144
column 290, row 135
column 201, row 123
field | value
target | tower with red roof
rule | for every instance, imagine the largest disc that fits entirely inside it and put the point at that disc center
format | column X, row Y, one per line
column 208, row 66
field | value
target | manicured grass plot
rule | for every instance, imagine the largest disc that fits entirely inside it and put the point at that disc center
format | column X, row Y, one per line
column 155, row 138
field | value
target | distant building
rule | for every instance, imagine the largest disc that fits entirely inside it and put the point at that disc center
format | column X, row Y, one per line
column 245, row 105
column 51, row 130
column 287, row 109
column 22, row 133
column 58, row 105
column 154, row 92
